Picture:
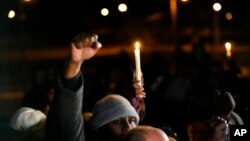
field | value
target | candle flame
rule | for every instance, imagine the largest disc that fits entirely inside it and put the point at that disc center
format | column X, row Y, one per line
column 137, row 45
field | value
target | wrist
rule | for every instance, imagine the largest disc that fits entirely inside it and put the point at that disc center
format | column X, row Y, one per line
column 72, row 69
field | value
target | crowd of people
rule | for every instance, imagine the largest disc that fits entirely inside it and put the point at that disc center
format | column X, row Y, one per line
column 180, row 101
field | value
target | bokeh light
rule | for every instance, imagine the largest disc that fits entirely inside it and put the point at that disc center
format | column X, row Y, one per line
column 104, row 12
column 11, row 14
column 217, row 6
column 122, row 7
column 229, row 16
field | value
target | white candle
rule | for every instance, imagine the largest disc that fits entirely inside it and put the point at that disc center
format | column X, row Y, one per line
column 138, row 74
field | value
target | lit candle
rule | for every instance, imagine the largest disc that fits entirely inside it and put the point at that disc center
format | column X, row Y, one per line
column 138, row 74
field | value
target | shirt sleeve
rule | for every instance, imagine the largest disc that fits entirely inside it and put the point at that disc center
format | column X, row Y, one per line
column 65, row 121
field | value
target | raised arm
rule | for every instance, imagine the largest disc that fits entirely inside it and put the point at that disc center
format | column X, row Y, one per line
column 65, row 121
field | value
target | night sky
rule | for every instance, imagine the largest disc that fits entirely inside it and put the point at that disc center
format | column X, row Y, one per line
column 61, row 19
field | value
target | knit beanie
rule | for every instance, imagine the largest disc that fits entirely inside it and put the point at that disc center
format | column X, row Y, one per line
column 27, row 119
column 110, row 108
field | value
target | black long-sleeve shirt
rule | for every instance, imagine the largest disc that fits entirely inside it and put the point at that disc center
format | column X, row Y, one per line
column 65, row 121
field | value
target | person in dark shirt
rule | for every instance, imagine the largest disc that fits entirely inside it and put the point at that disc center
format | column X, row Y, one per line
column 65, row 120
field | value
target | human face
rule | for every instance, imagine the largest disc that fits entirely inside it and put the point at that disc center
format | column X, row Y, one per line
column 122, row 125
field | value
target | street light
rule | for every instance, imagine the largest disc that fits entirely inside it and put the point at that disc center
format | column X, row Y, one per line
column 23, row 14
column 174, row 19
column 228, row 47
column 216, row 7
column 173, row 12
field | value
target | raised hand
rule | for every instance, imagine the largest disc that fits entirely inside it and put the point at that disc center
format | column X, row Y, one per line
column 83, row 47
column 219, row 129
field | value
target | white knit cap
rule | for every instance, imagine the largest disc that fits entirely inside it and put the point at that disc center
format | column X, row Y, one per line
column 112, row 107
column 26, row 118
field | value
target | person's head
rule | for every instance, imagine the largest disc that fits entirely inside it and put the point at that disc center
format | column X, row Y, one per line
column 197, row 130
column 139, row 105
column 172, row 135
column 29, row 122
column 146, row 133
column 142, row 111
column 215, row 128
column 113, row 116
column 223, row 104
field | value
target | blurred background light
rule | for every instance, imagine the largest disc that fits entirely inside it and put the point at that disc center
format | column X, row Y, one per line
column 229, row 16
column 217, row 6
column 11, row 14
column 122, row 7
column 104, row 12
column 228, row 47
